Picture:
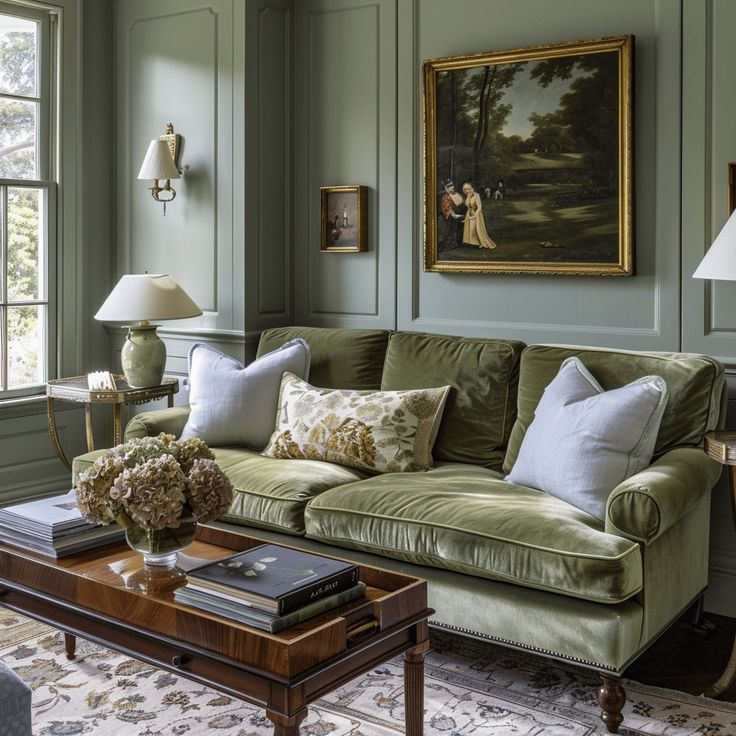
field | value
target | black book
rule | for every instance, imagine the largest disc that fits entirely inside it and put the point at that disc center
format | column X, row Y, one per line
column 274, row 578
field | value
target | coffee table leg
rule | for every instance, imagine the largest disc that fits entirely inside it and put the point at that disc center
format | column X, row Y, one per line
column 70, row 644
column 414, row 691
column 285, row 726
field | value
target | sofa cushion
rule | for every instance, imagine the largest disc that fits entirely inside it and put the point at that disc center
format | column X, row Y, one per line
column 234, row 404
column 269, row 494
column 272, row 494
column 694, row 388
column 584, row 441
column 377, row 431
column 466, row 518
column 481, row 407
column 341, row 358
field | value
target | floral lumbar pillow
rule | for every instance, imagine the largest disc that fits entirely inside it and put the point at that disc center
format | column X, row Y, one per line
column 379, row 431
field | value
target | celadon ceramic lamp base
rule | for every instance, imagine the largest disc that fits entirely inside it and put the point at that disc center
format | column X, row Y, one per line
column 143, row 356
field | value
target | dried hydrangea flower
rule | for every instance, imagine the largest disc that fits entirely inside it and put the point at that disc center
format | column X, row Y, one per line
column 151, row 481
column 94, row 486
column 208, row 490
column 152, row 492
column 187, row 451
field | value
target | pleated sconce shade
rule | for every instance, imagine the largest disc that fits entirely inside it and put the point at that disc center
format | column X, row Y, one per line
column 720, row 260
column 158, row 163
column 138, row 297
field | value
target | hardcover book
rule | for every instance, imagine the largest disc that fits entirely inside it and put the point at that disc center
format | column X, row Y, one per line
column 274, row 578
column 262, row 619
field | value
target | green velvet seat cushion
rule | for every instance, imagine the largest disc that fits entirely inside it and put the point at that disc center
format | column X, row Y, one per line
column 481, row 407
column 466, row 518
column 694, row 388
column 272, row 494
column 269, row 494
column 341, row 358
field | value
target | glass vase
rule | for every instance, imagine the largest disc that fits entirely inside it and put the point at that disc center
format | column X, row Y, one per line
column 159, row 547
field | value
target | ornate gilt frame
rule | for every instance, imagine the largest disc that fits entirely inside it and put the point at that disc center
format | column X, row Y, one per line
column 624, row 45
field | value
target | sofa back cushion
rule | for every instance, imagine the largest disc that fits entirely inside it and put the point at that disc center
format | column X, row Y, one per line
column 483, row 375
column 340, row 358
column 695, row 385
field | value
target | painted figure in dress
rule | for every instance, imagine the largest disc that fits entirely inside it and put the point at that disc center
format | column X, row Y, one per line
column 474, row 228
column 452, row 210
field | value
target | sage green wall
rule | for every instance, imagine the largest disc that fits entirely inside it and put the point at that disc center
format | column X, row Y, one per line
column 358, row 114
column 220, row 71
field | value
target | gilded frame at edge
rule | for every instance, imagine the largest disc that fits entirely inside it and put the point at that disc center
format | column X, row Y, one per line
column 331, row 230
column 624, row 263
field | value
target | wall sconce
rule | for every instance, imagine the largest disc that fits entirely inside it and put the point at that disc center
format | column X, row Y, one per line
column 162, row 162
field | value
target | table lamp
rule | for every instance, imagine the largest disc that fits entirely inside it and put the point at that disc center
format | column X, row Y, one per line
column 720, row 260
column 142, row 298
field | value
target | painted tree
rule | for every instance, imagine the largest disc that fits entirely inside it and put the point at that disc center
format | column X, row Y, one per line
column 470, row 116
column 589, row 110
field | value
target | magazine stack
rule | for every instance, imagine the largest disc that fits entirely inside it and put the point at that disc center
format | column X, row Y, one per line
column 53, row 526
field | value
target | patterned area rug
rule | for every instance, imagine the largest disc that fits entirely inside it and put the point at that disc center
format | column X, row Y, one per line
column 471, row 688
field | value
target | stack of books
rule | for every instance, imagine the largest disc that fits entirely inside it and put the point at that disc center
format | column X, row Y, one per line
column 54, row 527
column 271, row 587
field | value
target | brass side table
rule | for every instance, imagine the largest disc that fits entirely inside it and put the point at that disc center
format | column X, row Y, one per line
column 76, row 389
column 721, row 446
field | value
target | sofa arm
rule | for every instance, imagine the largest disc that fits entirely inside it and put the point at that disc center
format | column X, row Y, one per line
column 644, row 506
column 151, row 423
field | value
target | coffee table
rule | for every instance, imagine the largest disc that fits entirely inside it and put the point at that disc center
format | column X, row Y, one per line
column 106, row 595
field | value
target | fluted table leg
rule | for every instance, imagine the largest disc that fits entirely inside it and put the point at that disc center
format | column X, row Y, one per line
column 414, row 692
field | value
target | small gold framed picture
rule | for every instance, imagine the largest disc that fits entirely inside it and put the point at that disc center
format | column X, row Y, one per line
column 344, row 215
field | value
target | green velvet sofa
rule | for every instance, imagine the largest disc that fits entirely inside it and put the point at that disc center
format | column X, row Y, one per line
column 504, row 563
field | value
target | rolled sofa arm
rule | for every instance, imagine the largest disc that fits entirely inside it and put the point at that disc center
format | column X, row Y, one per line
column 151, row 423
column 644, row 506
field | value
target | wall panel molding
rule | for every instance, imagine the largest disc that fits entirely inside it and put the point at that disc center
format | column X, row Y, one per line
column 637, row 313
column 345, row 133
column 175, row 64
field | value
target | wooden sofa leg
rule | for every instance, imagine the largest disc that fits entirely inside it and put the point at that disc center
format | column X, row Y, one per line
column 611, row 698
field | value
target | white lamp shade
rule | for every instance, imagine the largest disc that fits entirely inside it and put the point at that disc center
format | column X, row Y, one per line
column 158, row 163
column 720, row 260
column 138, row 297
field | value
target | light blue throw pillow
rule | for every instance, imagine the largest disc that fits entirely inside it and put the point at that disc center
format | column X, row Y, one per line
column 233, row 404
column 584, row 441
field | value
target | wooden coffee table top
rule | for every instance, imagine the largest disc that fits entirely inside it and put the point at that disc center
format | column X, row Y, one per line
column 109, row 585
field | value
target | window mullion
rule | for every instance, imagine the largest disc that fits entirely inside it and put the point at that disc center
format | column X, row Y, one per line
column 3, row 250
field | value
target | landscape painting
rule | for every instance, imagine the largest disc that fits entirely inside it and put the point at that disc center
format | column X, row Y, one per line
column 528, row 160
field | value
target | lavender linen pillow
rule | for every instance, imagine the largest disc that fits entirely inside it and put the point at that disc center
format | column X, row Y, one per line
column 584, row 441
column 233, row 404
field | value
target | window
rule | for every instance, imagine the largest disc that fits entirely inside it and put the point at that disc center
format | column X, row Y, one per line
column 27, row 197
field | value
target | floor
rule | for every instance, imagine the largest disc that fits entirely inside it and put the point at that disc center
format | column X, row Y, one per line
column 683, row 659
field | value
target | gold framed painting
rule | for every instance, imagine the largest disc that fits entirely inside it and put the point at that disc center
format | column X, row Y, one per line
column 344, row 214
column 731, row 187
column 528, row 160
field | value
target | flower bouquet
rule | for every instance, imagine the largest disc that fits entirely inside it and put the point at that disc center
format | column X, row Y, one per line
column 157, row 488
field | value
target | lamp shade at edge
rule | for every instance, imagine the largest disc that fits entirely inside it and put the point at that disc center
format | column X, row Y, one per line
column 720, row 260
column 138, row 297
column 158, row 163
